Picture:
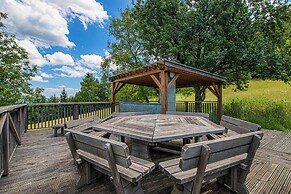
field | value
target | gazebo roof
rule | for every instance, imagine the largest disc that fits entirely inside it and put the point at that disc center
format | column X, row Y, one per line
column 188, row 76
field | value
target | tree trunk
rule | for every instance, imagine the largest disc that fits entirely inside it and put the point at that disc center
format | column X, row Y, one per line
column 199, row 97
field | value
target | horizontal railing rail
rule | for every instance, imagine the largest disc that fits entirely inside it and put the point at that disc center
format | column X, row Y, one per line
column 13, row 123
column 209, row 107
column 48, row 114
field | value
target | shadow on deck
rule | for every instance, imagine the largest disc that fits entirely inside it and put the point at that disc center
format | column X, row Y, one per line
column 43, row 164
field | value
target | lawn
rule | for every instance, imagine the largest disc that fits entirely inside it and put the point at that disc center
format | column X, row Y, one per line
column 267, row 103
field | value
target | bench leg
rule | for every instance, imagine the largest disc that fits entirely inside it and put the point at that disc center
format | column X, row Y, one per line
column 55, row 132
column 177, row 189
column 87, row 174
column 132, row 188
column 82, row 179
column 242, row 189
column 62, row 130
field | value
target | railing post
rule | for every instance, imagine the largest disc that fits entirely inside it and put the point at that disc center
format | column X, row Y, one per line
column 25, row 118
column 186, row 106
column 75, row 111
column 5, row 134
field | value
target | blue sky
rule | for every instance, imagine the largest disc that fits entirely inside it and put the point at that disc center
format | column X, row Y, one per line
column 65, row 39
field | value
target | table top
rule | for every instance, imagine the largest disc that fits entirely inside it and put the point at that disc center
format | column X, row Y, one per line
column 159, row 127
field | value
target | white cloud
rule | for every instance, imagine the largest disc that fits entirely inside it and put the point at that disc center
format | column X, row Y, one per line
column 88, row 12
column 38, row 78
column 76, row 71
column 61, row 86
column 45, row 75
column 112, row 65
column 45, row 22
column 35, row 58
column 59, row 58
column 92, row 61
column 37, row 20
column 57, row 91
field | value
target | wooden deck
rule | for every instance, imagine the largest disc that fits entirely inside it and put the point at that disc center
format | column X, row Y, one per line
column 43, row 164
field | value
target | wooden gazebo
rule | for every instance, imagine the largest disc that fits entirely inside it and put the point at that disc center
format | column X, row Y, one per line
column 163, row 75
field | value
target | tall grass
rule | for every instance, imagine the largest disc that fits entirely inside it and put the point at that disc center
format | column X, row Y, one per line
column 268, row 113
column 266, row 102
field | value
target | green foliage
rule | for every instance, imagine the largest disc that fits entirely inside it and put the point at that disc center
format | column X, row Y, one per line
column 53, row 99
column 91, row 90
column 270, row 114
column 64, row 96
column 237, row 39
column 15, row 70
column 131, row 93
column 37, row 96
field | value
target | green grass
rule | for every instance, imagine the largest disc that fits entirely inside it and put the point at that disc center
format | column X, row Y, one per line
column 267, row 103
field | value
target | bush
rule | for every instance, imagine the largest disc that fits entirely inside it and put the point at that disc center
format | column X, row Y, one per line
column 268, row 113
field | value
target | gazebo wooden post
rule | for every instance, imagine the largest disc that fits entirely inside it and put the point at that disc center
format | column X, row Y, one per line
column 164, row 87
column 216, row 89
column 219, row 103
column 113, row 97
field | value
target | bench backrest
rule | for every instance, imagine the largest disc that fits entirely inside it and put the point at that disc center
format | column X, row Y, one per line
column 220, row 149
column 238, row 125
column 77, row 122
column 96, row 146
column 124, row 114
column 198, row 114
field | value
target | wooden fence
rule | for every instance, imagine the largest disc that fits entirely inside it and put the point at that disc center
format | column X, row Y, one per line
column 48, row 114
column 13, row 123
column 209, row 107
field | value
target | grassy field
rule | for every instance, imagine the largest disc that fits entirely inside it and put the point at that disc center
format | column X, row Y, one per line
column 267, row 103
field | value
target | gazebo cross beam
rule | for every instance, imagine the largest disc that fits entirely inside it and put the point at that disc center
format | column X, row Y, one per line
column 163, row 75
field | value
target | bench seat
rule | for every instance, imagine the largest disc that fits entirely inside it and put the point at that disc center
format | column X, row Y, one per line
column 134, row 173
column 173, row 170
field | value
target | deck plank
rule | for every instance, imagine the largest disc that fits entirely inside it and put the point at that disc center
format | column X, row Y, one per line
column 43, row 164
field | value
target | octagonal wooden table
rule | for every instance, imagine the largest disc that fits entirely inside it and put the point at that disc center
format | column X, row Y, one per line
column 153, row 128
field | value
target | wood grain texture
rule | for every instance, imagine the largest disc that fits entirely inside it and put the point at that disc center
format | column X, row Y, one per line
column 43, row 164
column 159, row 127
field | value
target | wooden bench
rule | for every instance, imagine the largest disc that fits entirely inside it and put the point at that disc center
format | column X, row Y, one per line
column 236, row 126
column 95, row 156
column 227, row 159
column 75, row 123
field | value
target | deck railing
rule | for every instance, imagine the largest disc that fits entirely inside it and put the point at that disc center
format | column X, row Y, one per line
column 48, row 114
column 209, row 107
column 13, row 123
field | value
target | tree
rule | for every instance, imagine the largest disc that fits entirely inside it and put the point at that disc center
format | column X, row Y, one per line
column 237, row 39
column 53, row 99
column 90, row 90
column 127, row 51
column 37, row 96
column 15, row 70
column 64, row 96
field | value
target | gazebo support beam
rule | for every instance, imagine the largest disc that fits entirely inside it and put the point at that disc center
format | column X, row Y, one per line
column 115, row 87
column 173, row 81
column 219, row 103
column 164, row 86
column 113, row 84
column 216, row 89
